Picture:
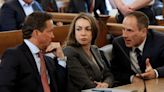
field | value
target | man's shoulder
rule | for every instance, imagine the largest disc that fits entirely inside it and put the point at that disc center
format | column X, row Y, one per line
column 10, row 4
column 118, row 39
column 14, row 49
column 156, row 34
column 12, row 52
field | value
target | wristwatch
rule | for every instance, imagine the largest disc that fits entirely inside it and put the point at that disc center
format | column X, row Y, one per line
column 62, row 59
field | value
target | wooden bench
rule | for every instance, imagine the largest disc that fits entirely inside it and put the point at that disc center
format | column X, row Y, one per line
column 115, row 28
column 10, row 39
column 68, row 17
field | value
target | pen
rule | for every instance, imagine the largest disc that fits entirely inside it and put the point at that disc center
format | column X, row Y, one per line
column 95, row 90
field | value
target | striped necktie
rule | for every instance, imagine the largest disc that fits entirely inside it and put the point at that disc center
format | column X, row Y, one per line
column 139, row 58
column 43, row 73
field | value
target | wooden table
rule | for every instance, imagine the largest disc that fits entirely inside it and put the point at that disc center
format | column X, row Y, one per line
column 154, row 85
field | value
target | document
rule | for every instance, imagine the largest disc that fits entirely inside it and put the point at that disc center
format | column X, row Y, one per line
column 107, row 90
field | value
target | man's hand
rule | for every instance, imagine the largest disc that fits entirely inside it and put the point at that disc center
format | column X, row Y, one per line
column 149, row 71
column 125, row 9
column 56, row 48
column 136, row 79
column 101, row 85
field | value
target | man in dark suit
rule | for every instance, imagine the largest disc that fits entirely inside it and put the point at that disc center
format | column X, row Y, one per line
column 21, row 68
column 137, row 38
column 76, row 6
column 13, row 13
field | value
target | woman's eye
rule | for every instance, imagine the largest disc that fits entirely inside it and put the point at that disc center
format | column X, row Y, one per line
column 77, row 29
column 88, row 29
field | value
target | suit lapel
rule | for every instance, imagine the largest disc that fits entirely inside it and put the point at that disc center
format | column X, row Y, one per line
column 97, row 57
column 30, row 59
column 126, row 56
column 95, row 70
column 83, row 54
column 147, row 50
column 20, row 10
column 51, row 72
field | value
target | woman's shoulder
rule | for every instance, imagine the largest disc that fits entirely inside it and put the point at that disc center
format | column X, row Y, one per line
column 95, row 47
column 70, row 49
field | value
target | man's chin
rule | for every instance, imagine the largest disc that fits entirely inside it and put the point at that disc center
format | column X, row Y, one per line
column 128, row 45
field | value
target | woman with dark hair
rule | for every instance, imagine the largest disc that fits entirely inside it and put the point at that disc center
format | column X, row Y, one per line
column 86, row 69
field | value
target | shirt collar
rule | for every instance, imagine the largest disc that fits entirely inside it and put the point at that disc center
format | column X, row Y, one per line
column 24, row 3
column 33, row 48
column 141, row 46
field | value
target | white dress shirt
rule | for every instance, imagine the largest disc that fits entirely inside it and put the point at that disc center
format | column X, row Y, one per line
column 26, row 7
column 34, row 50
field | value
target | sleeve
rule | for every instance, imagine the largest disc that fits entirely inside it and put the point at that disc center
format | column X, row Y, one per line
column 8, row 71
column 117, row 64
column 160, row 70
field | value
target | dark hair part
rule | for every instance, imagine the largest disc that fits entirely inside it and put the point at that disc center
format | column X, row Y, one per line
column 71, row 40
column 36, row 20
column 142, row 19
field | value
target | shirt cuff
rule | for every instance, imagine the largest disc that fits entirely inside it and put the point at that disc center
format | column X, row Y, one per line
column 62, row 62
column 156, row 72
column 131, row 78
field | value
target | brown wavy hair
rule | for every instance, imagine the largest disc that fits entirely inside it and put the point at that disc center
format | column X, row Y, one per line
column 71, row 40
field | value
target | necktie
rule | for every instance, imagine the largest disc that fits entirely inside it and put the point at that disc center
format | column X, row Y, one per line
column 139, row 58
column 92, row 4
column 43, row 73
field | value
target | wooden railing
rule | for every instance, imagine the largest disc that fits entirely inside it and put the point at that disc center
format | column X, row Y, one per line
column 68, row 17
column 115, row 28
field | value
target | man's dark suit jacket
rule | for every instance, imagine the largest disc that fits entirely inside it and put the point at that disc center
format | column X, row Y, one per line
column 82, row 71
column 153, row 49
column 19, row 73
column 76, row 6
column 12, row 15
